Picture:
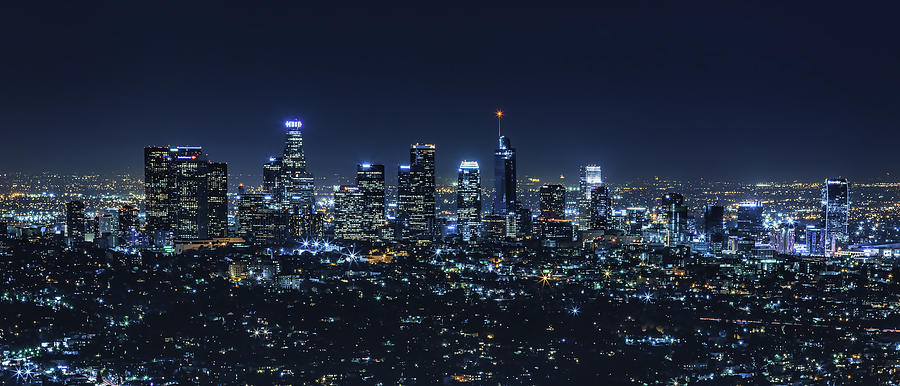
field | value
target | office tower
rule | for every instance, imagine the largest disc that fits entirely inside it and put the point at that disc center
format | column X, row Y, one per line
column 307, row 223
column 468, row 200
column 815, row 241
column 191, row 193
column 370, row 180
column 635, row 217
column 836, row 214
column 218, row 199
column 494, row 227
column 504, row 179
column 601, row 208
column 286, row 177
column 750, row 220
column 349, row 216
column 590, row 177
column 157, row 185
column 177, row 184
column 423, row 155
column 411, row 207
column 260, row 220
column 272, row 177
column 671, row 205
column 714, row 226
column 128, row 225
column 552, row 201
column 74, row 220
column 782, row 238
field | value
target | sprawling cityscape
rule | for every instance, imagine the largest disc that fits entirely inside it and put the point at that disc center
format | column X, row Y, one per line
column 183, row 276
column 625, row 193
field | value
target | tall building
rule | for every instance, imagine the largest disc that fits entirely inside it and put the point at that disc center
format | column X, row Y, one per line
column 75, row 220
column 411, row 207
column 370, row 180
column 836, row 214
column 750, row 220
column 272, row 177
column 217, row 178
column 504, row 178
column 674, row 212
column 349, row 213
column 157, row 186
column 177, row 189
column 423, row 155
column 260, row 220
column 714, row 226
column 590, row 177
column 601, row 209
column 552, row 201
column 468, row 200
column 286, row 177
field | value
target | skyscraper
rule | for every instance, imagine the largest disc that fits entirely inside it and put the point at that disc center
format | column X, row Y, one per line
column 504, row 178
column 468, row 200
column 713, row 226
column 601, row 210
column 552, row 199
column 218, row 199
column 75, row 220
column 422, row 155
column 157, row 185
column 349, row 213
column 836, row 214
column 260, row 221
column 177, row 186
column 671, row 205
column 286, row 177
column 370, row 180
column 750, row 220
column 590, row 177
column 411, row 207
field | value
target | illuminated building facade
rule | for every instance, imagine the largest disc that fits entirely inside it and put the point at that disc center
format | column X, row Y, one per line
column 504, row 179
column 552, row 201
column 349, row 213
column 370, row 180
column 181, row 186
column 75, row 220
column 286, row 177
column 422, row 155
column 671, row 205
column 412, row 215
column 590, row 177
column 750, row 220
column 260, row 220
column 836, row 214
column 468, row 200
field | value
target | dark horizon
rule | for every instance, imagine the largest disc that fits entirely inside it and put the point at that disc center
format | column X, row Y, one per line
column 737, row 92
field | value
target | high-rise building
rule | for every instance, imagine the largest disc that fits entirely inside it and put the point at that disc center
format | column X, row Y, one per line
column 217, row 178
column 179, row 184
column 272, row 177
column 412, row 214
column 590, row 177
column 504, row 179
column 552, row 200
column 286, row 177
column 714, row 226
column 601, row 209
column 74, row 220
column 836, row 214
column 370, row 180
column 782, row 238
column 128, row 225
column 671, row 205
column 750, row 220
column 423, row 155
column 468, row 200
column 349, row 213
column 260, row 220
column 157, row 186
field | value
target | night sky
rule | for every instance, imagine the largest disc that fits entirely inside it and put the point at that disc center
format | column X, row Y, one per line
column 739, row 92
